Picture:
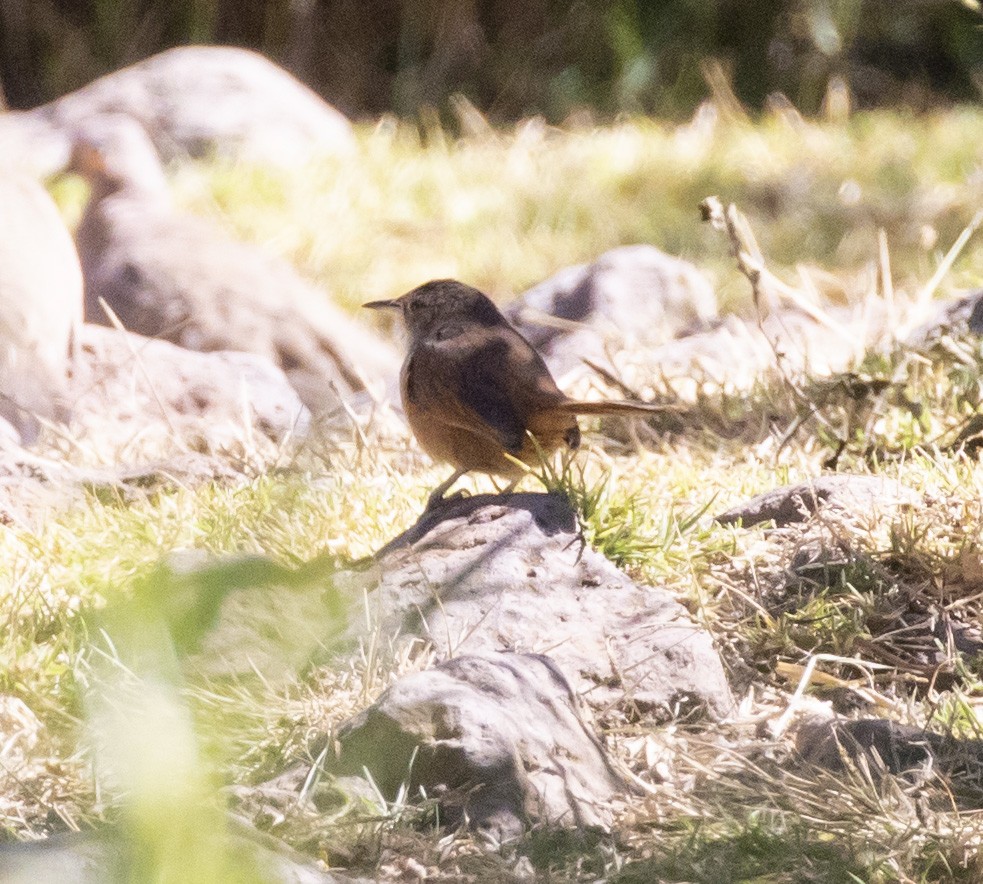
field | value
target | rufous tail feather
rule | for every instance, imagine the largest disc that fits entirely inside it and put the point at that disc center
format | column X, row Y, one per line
column 615, row 406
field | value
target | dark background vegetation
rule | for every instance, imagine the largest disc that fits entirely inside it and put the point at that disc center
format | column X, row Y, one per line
column 513, row 58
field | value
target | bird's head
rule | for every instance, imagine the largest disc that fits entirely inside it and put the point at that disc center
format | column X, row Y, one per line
column 113, row 151
column 442, row 305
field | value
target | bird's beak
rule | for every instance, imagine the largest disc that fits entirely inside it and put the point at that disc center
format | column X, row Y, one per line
column 383, row 305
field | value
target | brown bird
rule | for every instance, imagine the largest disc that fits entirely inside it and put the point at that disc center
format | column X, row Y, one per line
column 474, row 389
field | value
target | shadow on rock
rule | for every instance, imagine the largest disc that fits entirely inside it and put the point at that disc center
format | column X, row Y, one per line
column 887, row 747
column 550, row 512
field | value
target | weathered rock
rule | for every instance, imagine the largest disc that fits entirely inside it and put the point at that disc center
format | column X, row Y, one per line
column 826, row 742
column 173, row 276
column 963, row 638
column 40, row 306
column 58, row 858
column 887, row 746
column 795, row 503
column 496, row 737
column 645, row 315
column 147, row 415
column 150, row 397
column 277, row 802
column 31, row 487
column 510, row 572
column 197, row 99
column 633, row 296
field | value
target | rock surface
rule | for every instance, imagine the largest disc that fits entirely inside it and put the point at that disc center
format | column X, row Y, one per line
column 739, row 352
column 511, row 572
column 40, row 306
column 136, row 394
column 32, row 146
column 497, row 738
column 975, row 319
column 795, row 503
column 194, row 100
column 173, row 276
column 635, row 296
column 147, row 414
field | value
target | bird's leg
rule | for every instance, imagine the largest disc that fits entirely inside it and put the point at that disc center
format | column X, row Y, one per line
column 437, row 495
column 508, row 489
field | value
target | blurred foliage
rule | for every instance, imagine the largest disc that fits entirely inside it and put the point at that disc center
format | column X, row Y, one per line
column 514, row 58
column 155, row 778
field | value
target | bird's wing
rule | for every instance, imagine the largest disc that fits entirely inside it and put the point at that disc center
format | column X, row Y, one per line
column 459, row 381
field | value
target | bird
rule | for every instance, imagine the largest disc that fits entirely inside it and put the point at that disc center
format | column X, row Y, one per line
column 40, row 307
column 167, row 274
column 476, row 393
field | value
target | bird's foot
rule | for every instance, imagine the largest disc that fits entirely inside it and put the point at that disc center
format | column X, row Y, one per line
column 438, row 499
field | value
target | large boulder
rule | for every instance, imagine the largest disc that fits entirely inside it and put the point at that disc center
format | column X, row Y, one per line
column 630, row 297
column 195, row 100
column 511, row 572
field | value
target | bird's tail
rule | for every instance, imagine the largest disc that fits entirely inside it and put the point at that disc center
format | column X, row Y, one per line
column 615, row 406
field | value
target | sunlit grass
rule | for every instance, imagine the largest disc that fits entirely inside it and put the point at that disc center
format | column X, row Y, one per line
column 503, row 211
